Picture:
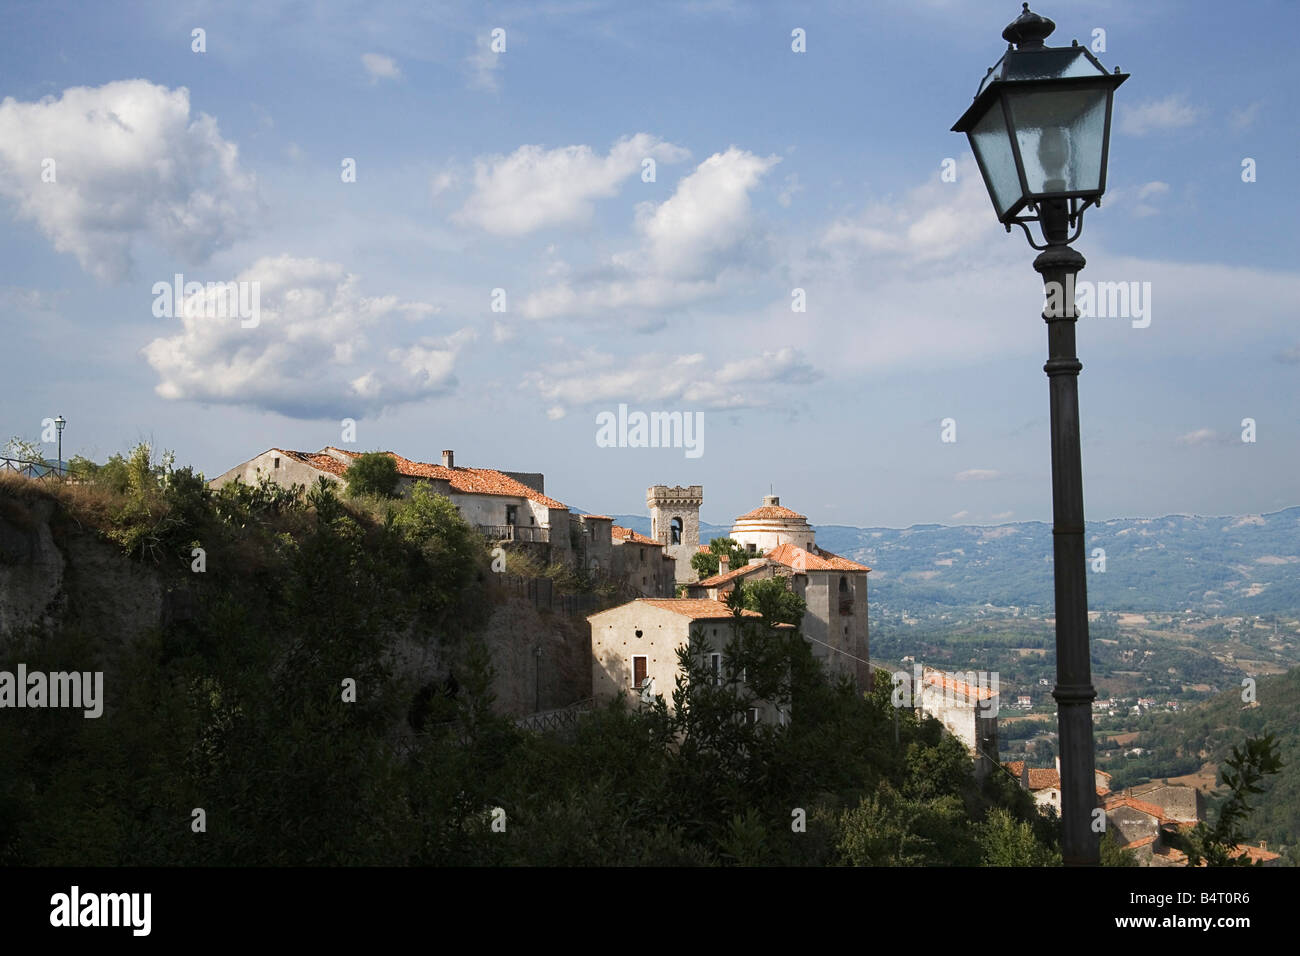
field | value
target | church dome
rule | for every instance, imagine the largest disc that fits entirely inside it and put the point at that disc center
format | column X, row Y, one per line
column 771, row 526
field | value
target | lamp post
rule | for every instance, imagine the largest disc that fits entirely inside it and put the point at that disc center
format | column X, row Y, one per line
column 58, row 425
column 1040, row 131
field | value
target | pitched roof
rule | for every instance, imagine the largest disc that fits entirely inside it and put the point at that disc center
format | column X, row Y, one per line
column 1115, row 802
column 720, row 579
column 1257, row 854
column 468, row 481
column 619, row 533
column 697, row 609
column 316, row 460
column 948, row 682
column 771, row 511
column 1016, row 767
column 1044, row 778
column 814, row 559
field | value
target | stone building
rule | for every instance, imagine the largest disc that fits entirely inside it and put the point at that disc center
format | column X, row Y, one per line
column 834, row 588
column 675, row 523
column 968, row 708
column 634, row 647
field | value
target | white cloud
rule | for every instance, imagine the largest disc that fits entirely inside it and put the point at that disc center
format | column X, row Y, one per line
column 1170, row 113
column 1201, row 436
column 534, row 187
column 960, row 515
column 1002, row 516
column 1244, row 117
column 483, row 65
column 130, row 162
column 380, row 67
column 689, row 242
column 978, row 474
column 685, row 380
column 319, row 348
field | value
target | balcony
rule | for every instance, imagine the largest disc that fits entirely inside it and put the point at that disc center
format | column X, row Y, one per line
column 527, row 534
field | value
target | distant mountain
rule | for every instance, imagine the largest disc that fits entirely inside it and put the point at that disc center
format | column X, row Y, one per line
column 1215, row 565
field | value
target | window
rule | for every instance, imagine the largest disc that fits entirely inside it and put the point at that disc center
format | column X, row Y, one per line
column 512, row 514
column 677, row 531
column 643, row 558
column 844, row 584
column 277, row 461
column 752, row 548
column 715, row 668
column 638, row 671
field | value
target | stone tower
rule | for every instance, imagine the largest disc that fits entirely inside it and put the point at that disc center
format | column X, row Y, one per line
column 675, row 523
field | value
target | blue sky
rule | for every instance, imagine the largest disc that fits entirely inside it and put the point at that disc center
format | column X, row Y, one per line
column 522, row 171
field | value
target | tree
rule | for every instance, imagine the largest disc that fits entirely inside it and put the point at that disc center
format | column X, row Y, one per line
column 705, row 563
column 773, row 598
column 374, row 473
column 1242, row 772
column 1006, row 841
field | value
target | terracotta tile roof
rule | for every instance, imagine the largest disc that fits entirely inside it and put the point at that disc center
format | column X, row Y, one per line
column 1114, row 802
column 1144, row 841
column 1102, row 773
column 467, row 481
column 316, row 460
column 702, row 549
column 619, row 533
column 771, row 511
column 816, row 559
column 733, row 574
column 595, row 517
column 1016, row 768
column 948, row 682
column 1044, row 778
column 1175, row 857
column 1257, row 854
column 697, row 609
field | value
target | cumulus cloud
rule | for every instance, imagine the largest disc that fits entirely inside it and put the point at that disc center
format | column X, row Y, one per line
column 380, row 67
column 129, row 161
column 319, row 347
column 535, row 187
column 687, row 244
column 978, row 474
column 691, row 380
column 1173, row 112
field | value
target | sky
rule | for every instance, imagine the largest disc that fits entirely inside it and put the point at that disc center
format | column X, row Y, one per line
column 484, row 226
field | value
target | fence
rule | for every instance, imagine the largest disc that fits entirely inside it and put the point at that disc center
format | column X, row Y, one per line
column 562, row 718
column 39, row 470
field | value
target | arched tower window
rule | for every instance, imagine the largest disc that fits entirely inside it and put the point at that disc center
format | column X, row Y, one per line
column 676, row 531
column 844, row 584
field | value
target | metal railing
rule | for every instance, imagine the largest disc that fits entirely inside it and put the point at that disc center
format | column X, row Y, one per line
column 562, row 718
column 40, row 470
column 530, row 534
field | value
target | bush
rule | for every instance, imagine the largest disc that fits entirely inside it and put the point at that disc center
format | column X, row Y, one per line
column 373, row 473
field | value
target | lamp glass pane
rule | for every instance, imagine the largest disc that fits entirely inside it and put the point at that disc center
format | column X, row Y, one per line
column 992, row 144
column 1061, row 137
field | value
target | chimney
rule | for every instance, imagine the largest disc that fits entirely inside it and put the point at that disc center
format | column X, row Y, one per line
column 724, row 564
column 448, row 458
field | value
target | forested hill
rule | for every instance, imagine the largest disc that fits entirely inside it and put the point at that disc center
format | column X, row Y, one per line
column 1216, row 565
column 1208, row 732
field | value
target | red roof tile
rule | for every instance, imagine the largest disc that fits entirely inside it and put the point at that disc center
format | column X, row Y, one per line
column 619, row 533
column 468, row 481
column 1114, row 802
column 769, row 512
column 1044, row 778
column 697, row 609
column 815, row 559
column 733, row 574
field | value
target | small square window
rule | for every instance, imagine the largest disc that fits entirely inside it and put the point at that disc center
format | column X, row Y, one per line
column 277, row 461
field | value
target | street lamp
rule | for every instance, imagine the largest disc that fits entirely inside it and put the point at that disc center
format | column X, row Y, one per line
column 58, row 425
column 1040, row 131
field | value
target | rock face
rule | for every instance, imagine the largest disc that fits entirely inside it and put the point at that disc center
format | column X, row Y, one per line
column 55, row 573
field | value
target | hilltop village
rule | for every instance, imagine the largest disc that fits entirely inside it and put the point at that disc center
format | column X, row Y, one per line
column 630, row 648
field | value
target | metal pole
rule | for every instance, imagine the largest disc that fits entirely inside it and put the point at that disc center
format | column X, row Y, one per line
column 1074, row 693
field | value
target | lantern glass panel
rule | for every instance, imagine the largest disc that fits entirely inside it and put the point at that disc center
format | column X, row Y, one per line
column 992, row 145
column 1060, row 133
